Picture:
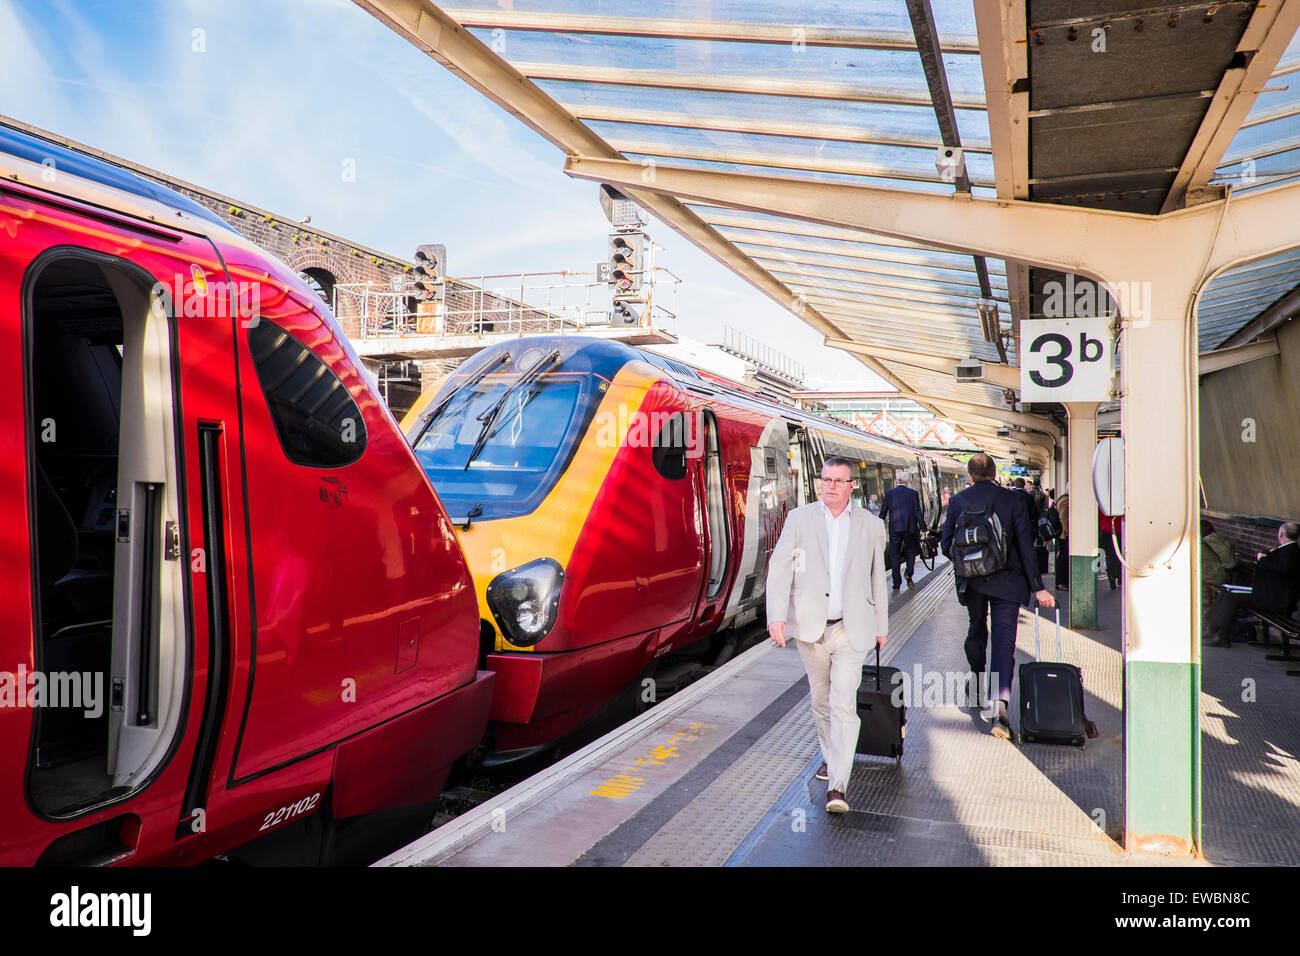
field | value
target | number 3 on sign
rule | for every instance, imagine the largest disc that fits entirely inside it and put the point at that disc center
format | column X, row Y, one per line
column 1065, row 360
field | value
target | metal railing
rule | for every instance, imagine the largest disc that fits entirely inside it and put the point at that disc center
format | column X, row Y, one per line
column 538, row 302
column 761, row 355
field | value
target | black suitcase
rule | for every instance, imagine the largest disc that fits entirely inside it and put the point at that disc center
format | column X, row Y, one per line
column 1051, row 698
column 883, row 725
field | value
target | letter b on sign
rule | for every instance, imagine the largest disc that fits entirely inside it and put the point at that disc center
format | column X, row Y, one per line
column 1065, row 360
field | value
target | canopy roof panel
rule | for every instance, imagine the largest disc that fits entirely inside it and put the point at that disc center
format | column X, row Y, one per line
column 867, row 93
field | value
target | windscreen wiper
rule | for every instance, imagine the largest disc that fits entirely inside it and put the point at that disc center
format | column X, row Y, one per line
column 473, row 380
column 489, row 417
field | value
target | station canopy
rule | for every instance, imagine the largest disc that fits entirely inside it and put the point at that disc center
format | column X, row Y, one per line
column 869, row 92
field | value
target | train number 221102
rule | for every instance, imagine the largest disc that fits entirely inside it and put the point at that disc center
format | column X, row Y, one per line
column 287, row 813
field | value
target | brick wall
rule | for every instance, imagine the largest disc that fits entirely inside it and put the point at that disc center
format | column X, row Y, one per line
column 1249, row 534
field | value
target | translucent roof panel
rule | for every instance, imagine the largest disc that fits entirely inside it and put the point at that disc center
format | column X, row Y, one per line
column 1265, row 152
column 1240, row 294
column 821, row 91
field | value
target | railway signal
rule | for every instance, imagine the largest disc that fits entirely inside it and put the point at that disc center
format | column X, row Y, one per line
column 430, row 270
column 625, row 268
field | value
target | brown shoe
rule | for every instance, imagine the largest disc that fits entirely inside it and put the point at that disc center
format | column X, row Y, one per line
column 835, row 802
column 822, row 772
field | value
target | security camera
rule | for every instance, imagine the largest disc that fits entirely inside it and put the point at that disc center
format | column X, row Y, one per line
column 948, row 161
column 969, row 369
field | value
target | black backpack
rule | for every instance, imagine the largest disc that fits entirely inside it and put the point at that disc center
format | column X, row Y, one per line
column 979, row 543
column 1049, row 525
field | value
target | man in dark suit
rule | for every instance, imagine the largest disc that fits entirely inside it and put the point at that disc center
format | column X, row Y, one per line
column 901, row 512
column 1276, row 587
column 1000, row 595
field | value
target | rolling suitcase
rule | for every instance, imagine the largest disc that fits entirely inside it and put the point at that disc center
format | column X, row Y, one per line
column 1051, row 698
column 883, row 725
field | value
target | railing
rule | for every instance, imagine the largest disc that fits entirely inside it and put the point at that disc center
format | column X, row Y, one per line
column 760, row 355
column 533, row 302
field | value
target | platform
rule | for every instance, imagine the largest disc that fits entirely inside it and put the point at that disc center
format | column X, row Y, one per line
column 722, row 773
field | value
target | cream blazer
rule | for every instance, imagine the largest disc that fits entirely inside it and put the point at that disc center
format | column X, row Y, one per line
column 798, row 577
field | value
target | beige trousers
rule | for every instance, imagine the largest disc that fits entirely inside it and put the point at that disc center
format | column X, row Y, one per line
column 834, row 673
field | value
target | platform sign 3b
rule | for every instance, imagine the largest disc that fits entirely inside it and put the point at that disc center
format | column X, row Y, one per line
column 1065, row 360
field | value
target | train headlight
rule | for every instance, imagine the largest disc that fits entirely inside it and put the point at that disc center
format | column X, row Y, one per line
column 525, row 601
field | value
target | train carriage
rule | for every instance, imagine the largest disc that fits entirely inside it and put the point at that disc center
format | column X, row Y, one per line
column 234, row 605
column 618, row 509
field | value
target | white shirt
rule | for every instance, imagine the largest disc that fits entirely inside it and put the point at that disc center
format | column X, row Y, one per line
column 837, row 550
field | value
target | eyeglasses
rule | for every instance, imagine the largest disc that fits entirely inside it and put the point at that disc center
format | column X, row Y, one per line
column 835, row 481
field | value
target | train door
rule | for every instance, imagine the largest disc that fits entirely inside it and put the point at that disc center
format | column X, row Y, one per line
column 871, row 487
column 718, row 532
column 929, row 490
column 110, row 471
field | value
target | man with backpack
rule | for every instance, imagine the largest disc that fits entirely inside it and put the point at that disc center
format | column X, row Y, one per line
column 990, row 542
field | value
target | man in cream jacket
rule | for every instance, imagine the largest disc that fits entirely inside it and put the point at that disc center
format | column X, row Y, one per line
column 826, row 589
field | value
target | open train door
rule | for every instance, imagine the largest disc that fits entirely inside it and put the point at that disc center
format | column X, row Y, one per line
column 715, row 498
column 123, row 559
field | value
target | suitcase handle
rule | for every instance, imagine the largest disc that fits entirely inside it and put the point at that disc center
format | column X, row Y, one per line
column 877, row 665
column 1038, row 651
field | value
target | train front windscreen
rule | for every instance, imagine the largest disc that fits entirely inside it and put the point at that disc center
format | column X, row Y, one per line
column 498, row 445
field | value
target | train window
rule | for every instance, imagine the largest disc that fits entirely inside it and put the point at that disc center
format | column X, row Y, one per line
column 669, row 447
column 503, row 464
column 316, row 420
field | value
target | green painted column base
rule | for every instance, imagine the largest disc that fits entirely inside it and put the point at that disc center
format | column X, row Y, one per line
column 1083, row 591
column 1162, row 757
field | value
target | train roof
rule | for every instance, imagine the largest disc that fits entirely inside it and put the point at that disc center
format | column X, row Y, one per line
column 28, row 158
column 690, row 377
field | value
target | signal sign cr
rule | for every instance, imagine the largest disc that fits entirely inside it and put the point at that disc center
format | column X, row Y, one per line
column 1065, row 360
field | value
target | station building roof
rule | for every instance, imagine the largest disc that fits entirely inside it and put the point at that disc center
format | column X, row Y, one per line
column 1139, row 107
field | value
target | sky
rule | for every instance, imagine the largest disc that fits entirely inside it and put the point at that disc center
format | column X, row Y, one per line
column 313, row 107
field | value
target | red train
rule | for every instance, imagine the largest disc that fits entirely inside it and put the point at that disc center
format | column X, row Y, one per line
column 618, row 510
column 233, row 604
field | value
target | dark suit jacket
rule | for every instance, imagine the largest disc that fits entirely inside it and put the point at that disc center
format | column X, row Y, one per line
column 901, row 511
column 1277, row 578
column 1034, row 509
column 1020, row 578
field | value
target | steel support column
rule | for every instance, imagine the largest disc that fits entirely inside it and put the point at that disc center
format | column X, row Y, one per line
column 1081, row 441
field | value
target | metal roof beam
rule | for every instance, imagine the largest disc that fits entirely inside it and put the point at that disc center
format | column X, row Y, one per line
column 671, row 29
column 1004, row 58
column 763, row 127
column 927, row 44
column 1219, row 359
column 1005, row 415
column 801, row 163
column 1281, row 311
column 898, row 255
column 883, row 270
column 1096, row 243
column 716, row 216
column 895, row 290
column 1000, row 375
column 1267, row 35
column 714, row 83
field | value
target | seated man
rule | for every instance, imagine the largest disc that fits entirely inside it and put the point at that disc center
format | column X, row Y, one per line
column 1217, row 561
column 1276, row 587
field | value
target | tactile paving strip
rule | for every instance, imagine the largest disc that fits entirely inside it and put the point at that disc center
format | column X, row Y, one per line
column 714, row 823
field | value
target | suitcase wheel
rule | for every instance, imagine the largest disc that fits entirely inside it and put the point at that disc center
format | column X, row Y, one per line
column 1026, row 738
column 1078, row 741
